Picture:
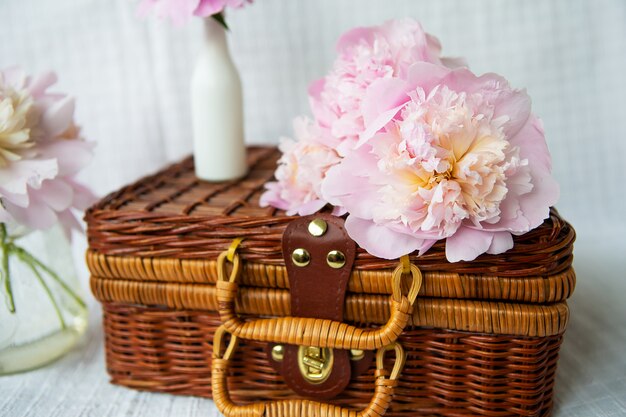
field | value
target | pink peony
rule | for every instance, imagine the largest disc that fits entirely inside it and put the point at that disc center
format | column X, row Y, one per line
column 301, row 170
column 366, row 55
column 444, row 154
column 180, row 11
column 40, row 153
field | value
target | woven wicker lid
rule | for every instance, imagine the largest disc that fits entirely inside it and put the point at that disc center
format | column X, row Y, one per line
column 173, row 214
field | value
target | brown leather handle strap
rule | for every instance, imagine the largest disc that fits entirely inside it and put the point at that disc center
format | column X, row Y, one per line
column 383, row 392
column 315, row 332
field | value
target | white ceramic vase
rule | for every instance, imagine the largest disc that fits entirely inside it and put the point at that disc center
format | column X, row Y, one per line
column 217, row 110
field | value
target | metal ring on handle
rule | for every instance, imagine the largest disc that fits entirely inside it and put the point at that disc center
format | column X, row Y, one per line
column 383, row 392
column 311, row 331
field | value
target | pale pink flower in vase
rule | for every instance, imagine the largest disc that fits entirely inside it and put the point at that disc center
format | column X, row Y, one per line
column 444, row 155
column 216, row 91
column 301, row 170
column 180, row 11
column 41, row 152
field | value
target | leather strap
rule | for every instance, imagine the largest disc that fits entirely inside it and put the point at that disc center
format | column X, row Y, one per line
column 318, row 291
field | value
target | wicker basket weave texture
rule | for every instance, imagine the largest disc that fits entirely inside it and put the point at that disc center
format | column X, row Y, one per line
column 483, row 338
column 172, row 214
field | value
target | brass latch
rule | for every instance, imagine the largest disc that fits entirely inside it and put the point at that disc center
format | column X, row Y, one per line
column 315, row 363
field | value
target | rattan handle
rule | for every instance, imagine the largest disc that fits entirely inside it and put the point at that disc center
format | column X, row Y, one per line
column 383, row 392
column 310, row 331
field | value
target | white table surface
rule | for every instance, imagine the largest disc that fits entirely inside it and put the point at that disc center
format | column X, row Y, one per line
column 591, row 376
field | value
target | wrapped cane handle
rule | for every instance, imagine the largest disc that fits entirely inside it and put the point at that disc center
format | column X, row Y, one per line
column 316, row 332
column 383, row 392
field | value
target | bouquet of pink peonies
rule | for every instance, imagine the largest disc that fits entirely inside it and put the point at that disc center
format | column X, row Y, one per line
column 415, row 148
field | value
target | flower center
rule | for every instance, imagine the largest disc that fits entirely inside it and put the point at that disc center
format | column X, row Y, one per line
column 456, row 156
column 16, row 113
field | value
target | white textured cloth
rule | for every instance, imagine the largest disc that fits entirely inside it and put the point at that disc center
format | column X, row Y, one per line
column 131, row 78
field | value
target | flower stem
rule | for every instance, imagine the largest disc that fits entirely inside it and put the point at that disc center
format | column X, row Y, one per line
column 20, row 254
column 30, row 259
column 6, row 275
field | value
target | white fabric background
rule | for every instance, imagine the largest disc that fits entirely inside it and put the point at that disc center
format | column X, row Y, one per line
column 131, row 79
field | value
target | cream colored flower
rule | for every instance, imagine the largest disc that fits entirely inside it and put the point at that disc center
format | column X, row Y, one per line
column 17, row 116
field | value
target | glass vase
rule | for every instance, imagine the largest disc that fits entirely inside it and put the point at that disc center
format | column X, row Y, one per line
column 42, row 312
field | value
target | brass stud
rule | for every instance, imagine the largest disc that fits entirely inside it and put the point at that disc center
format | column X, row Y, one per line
column 278, row 353
column 318, row 227
column 335, row 259
column 356, row 354
column 301, row 257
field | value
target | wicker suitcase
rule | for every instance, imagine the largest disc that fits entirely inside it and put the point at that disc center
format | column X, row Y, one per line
column 482, row 337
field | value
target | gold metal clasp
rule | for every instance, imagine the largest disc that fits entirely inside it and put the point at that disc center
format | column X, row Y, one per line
column 315, row 363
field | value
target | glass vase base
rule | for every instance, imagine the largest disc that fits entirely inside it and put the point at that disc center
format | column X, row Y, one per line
column 40, row 352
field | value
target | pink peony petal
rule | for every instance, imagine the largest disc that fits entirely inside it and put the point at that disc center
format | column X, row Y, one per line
column 467, row 244
column 145, row 7
column 531, row 141
column 209, row 7
column 535, row 205
column 20, row 200
column 347, row 184
column 5, row 216
column 462, row 79
column 502, row 242
column 516, row 106
column 69, row 222
column 377, row 124
column 13, row 76
column 178, row 11
column 83, row 196
column 56, row 194
column 71, row 155
column 58, row 117
column 380, row 241
column 426, row 75
column 37, row 215
column 322, row 113
column 383, row 99
column 316, row 87
column 307, row 208
column 339, row 211
column 426, row 246
column 271, row 197
column 15, row 178
column 40, row 84
column 360, row 35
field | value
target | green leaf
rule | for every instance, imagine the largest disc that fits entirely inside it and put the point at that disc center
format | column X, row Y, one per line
column 5, row 248
column 220, row 18
column 29, row 258
column 45, row 286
